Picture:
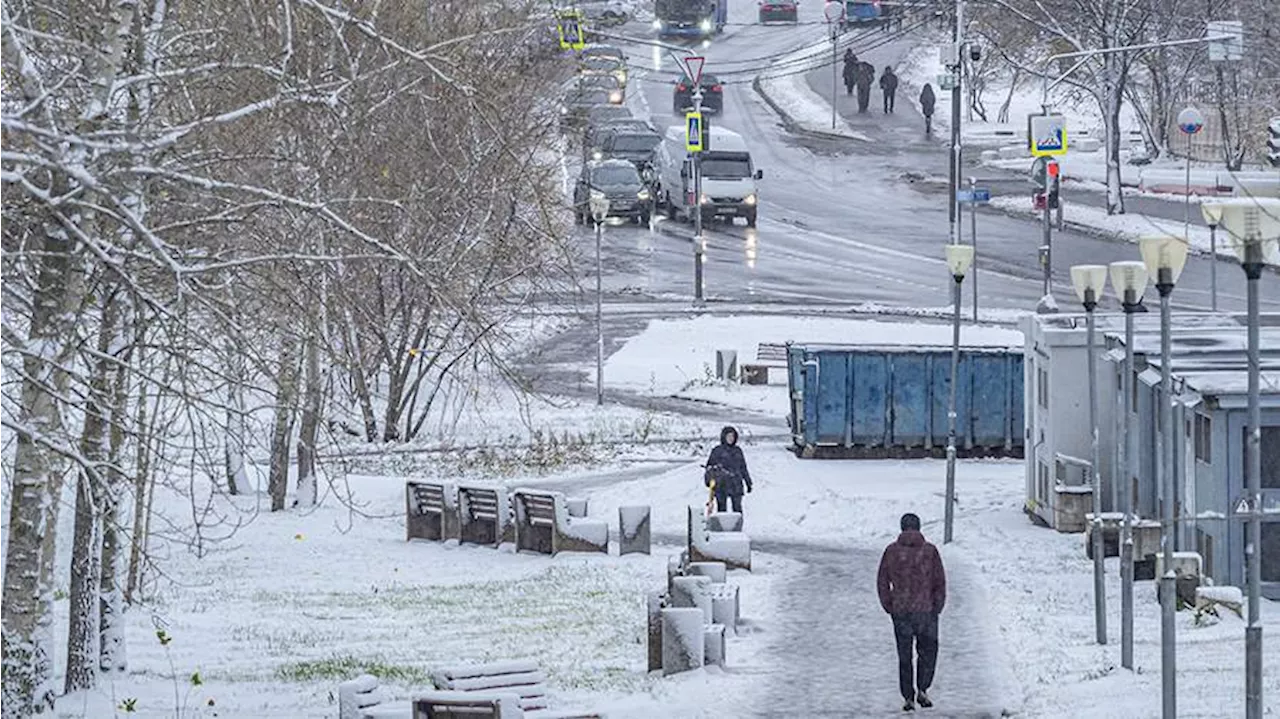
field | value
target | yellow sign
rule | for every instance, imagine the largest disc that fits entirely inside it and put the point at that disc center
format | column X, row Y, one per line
column 569, row 27
column 693, row 131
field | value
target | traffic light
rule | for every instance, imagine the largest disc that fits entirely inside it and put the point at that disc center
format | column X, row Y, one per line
column 1273, row 142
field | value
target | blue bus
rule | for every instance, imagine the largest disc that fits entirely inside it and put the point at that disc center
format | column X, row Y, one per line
column 858, row 12
column 689, row 18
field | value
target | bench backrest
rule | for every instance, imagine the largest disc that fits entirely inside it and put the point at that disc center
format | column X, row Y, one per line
column 520, row 677
column 480, row 503
column 427, row 498
column 539, row 508
column 771, row 352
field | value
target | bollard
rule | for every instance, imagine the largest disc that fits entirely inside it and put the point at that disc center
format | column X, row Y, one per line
column 713, row 645
column 633, row 530
column 655, row 630
column 683, row 640
column 725, row 607
column 692, row 592
column 716, row 570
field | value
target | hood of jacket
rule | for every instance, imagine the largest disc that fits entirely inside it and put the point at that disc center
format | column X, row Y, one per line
column 911, row 538
column 724, row 435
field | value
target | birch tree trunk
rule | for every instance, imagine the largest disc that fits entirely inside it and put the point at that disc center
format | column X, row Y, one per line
column 112, row 657
column 278, row 479
column 236, row 443
column 309, row 424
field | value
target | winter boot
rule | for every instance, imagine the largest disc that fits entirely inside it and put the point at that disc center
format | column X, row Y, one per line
column 924, row 699
column 908, row 706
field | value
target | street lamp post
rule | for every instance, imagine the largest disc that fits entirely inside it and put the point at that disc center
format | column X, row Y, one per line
column 959, row 258
column 1129, row 278
column 1252, row 224
column 1165, row 256
column 1089, row 281
column 599, row 211
column 1212, row 213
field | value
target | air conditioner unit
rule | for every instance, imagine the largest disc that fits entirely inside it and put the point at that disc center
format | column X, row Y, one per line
column 1072, row 471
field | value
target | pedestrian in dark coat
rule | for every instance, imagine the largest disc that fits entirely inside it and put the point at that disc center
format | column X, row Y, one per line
column 927, row 101
column 866, row 74
column 888, row 86
column 850, row 71
column 913, row 589
column 728, row 467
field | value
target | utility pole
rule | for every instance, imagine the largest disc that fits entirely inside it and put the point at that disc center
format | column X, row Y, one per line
column 699, row 242
column 953, row 183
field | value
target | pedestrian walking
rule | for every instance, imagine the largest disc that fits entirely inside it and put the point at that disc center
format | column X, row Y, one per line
column 889, row 87
column 727, row 469
column 913, row 589
column 864, row 76
column 927, row 101
column 850, row 71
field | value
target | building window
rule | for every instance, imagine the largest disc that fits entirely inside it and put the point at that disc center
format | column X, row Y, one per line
column 1204, row 438
column 1270, row 449
column 1204, row 545
column 1042, row 388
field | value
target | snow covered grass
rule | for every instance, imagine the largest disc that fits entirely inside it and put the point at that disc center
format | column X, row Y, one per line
column 799, row 103
column 677, row 357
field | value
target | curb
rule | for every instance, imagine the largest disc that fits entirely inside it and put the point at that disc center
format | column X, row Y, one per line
column 790, row 122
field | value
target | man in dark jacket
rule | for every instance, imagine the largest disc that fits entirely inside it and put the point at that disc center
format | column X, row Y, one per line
column 850, row 71
column 913, row 589
column 927, row 101
column 728, row 467
column 888, row 86
column 865, row 75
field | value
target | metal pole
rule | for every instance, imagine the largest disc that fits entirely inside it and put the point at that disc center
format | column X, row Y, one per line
column 599, row 322
column 1099, row 566
column 835, row 91
column 973, row 237
column 1129, row 463
column 698, row 241
column 1253, row 466
column 956, row 167
column 949, row 513
column 1046, row 246
column 1168, row 580
column 1213, row 266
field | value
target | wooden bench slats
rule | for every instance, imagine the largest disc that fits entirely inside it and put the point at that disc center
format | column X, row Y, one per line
column 480, row 503
column 526, row 685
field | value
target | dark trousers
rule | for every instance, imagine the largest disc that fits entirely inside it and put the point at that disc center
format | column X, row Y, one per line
column 722, row 500
column 864, row 97
column 888, row 101
column 921, row 630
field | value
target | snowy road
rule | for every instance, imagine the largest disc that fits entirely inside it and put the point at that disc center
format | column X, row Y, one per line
column 838, row 221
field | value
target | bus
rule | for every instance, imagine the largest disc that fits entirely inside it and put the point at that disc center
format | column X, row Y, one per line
column 689, row 18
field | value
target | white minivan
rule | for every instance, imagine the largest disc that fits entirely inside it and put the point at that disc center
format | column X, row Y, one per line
column 728, row 177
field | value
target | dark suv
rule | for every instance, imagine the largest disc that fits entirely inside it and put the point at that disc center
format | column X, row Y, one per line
column 712, row 95
column 620, row 182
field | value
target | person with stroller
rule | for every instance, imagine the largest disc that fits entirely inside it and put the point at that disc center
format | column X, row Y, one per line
column 727, row 469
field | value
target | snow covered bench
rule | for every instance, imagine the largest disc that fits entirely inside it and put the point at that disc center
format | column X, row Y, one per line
column 516, row 694
column 484, row 515
column 543, row 524
column 519, row 677
column 768, row 354
column 471, row 705
column 732, row 548
column 431, row 510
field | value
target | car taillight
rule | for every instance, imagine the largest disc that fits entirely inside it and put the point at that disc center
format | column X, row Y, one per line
column 716, row 88
column 680, row 87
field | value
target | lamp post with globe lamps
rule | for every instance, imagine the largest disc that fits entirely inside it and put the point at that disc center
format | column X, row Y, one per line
column 959, row 258
column 1253, row 225
column 1165, row 256
column 1089, row 282
column 1212, row 213
column 1129, row 278
column 599, row 211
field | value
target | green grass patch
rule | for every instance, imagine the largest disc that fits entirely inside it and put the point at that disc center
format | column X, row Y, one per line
column 346, row 667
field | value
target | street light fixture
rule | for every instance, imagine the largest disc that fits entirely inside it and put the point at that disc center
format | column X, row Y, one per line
column 1212, row 213
column 1253, row 224
column 1089, row 282
column 959, row 259
column 1165, row 256
column 599, row 211
column 1129, row 278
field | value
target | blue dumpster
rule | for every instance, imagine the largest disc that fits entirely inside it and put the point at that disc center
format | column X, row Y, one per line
column 881, row 401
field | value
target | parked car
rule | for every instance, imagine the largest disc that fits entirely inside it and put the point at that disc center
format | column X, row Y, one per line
column 621, row 183
column 712, row 95
column 578, row 104
column 609, row 83
column 779, row 10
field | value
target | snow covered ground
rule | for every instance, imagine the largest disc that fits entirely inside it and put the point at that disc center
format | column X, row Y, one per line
column 792, row 95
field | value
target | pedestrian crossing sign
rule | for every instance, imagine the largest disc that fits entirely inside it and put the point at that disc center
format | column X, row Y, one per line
column 1047, row 134
column 693, row 131
column 569, row 28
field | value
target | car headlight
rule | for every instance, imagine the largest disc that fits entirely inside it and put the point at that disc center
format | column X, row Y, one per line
column 657, row 24
column 706, row 25
column 621, row 75
column 642, row 195
column 706, row 200
column 564, row 110
column 749, row 199
column 615, row 97
column 596, row 155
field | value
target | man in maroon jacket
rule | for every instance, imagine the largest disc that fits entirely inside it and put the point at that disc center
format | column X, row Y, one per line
column 913, row 589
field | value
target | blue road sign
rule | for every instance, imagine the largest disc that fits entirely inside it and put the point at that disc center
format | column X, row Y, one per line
column 978, row 195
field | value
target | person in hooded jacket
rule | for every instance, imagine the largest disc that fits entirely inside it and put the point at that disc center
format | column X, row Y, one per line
column 728, row 467
column 850, row 71
column 913, row 589
column 889, row 87
column 864, row 76
column 927, row 101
